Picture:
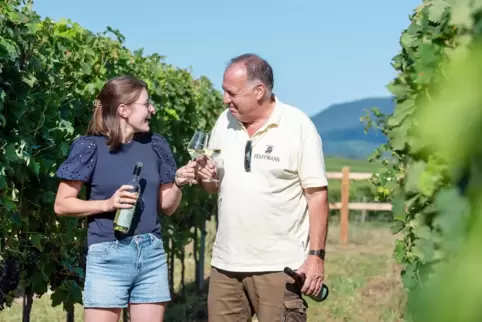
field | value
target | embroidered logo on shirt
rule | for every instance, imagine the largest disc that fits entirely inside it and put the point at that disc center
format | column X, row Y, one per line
column 267, row 155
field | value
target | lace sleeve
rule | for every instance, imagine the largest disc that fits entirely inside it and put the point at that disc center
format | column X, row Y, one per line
column 167, row 163
column 80, row 163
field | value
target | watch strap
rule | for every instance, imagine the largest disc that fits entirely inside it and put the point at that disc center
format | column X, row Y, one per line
column 177, row 184
column 320, row 253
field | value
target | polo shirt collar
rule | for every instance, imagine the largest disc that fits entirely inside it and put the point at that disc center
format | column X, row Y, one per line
column 275, row 116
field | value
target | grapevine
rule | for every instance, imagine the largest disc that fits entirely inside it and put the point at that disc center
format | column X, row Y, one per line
column 9, row 280
column 50, row 73
column 433, row 163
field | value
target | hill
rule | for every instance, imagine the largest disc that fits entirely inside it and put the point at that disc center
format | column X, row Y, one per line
column 342, row 132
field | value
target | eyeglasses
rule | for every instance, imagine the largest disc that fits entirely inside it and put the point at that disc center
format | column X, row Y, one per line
column 247, row 156
column 148, row 104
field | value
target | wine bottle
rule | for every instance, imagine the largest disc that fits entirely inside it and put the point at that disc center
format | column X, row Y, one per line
column 123, row 217
column 300, row 279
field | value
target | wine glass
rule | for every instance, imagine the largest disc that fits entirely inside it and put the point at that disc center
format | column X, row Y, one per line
column 195, row 148
column 211, row 152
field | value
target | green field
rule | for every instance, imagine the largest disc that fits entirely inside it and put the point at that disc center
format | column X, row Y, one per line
column 334, row 164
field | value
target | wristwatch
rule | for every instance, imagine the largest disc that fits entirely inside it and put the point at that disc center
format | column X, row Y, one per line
column 320, row 253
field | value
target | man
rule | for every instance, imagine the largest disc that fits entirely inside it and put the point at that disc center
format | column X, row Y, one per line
column 273, row 205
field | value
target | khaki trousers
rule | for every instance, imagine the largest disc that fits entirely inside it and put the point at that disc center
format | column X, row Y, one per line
column 236, row 297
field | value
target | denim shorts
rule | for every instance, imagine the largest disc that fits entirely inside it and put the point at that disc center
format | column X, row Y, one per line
column 131, row 270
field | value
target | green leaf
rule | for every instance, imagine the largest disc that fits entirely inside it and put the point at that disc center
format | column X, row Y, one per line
column 399, row 252
column 396, row 226
column 401, row 112
column 58, row 296
column 407, row 40
column 413, row 177
column 86, row 68
column 8, row 49
column 436, row 10
column 398, row 136
column 398, row 209
column 34, row 166
column 424, row 250
column 462, row 15
column 75, row 293
column 399, row 90
column 36, row 240
column 16, row 219
column 30, row 80
column 10, row 153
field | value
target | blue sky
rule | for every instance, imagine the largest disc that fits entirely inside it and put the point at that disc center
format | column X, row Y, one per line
column 322, row 53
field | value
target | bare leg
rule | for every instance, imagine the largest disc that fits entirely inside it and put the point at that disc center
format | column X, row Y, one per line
column 102, row 315
column 149, row 312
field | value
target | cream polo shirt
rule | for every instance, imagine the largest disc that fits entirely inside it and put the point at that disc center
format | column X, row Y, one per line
column 263, row 214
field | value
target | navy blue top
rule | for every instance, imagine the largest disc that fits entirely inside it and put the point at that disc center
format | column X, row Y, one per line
column 103, row 172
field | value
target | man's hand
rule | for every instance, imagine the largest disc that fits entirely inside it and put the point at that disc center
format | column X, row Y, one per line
column 314, row 271
column 206, row 168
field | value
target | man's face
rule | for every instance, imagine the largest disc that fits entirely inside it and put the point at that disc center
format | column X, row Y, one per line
column 240, row 95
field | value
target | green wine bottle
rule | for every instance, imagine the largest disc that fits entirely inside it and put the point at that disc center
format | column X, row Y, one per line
column 300, row 279
column 123, row 217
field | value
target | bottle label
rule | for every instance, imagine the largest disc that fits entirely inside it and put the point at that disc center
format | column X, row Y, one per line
column 125, row 217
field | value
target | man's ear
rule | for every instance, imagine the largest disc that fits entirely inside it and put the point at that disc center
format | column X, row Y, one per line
column 260, row 91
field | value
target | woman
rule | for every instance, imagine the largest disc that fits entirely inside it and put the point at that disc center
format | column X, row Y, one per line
column 130, row 270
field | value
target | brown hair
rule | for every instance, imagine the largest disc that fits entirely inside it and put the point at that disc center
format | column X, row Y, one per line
column 105, row 119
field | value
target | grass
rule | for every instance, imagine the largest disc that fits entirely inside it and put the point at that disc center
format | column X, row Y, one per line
column 362, row 276
column 334, row 164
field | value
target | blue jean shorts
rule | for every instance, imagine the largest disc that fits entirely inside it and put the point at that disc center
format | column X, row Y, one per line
column 131, row 270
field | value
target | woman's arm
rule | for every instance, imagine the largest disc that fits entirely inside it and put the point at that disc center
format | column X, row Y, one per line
column 170, row 198
column 68, row 204
column 170, row 194
column 171, row 179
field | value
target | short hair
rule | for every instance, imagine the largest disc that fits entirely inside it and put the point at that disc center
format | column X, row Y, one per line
column 257, row 69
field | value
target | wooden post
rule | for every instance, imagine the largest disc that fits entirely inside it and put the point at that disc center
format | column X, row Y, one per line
column 202, row 250
column 364, row 211
column 27, row 304
column 70, row 314
column 345, row 198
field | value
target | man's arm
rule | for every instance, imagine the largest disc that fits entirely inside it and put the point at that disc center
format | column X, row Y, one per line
column 318, row 211
column 315, row 187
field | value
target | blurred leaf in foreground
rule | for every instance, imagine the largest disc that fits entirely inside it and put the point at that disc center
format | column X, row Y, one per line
column 450, row 124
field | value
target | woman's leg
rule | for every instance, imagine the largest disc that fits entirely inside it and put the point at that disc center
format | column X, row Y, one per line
column 101, row 315
column 110, row 271
column 147, row 312
column 150, row 291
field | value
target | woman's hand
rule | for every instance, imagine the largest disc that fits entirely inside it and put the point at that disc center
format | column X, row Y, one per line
column 186, row 174
column 122, row 198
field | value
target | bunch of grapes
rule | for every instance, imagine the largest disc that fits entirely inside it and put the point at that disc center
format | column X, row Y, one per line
column 9, row 280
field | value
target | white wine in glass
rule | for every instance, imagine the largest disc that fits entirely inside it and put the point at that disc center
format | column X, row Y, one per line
column 211, row 152
column 195, row 148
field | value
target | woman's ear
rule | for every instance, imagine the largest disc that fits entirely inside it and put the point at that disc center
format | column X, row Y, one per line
column 123, row 110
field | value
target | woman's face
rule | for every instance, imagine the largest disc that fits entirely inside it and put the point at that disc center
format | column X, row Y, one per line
column 140, row 113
